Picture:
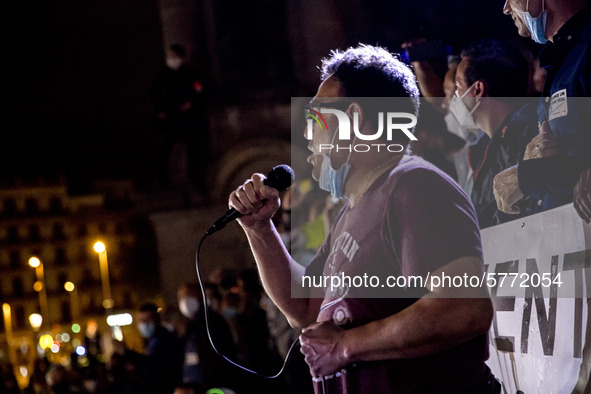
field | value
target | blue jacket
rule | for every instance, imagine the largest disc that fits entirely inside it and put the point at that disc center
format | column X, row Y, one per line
column 566, row 105
column 489, row 156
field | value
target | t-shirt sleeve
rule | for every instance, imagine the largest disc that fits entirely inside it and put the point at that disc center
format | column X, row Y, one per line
column 432, row 222
column 316, row 266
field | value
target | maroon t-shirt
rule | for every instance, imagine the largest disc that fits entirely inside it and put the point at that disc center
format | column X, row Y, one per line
column 411, row 221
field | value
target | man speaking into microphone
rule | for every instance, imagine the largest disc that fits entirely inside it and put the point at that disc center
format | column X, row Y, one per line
column 402, row 218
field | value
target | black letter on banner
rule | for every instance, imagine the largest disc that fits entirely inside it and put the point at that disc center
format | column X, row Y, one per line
column 504, row 304
column 576, row 262
column 547, row 323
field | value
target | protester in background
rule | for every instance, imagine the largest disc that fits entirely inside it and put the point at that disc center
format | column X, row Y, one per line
column 464, row 172
column 160, row 365
column 93, row 342
column 435, row 144
column 438, row 93
column 554, row 181
column 202, row 368
column 178, row 100
column 490, row 80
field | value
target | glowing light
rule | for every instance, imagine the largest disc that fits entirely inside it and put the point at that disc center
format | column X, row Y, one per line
column 118, row 333
column 122, row 319
column 99, row 247
column 69, row 286
column 75, row 328
column 24, row 371
column 58, row 338
column 55, row 348
column 34, row 262
column 80, row 350
column 38, row 286
column 91, row 327
column 214, row 391
column 36, row 320
column 76, row 343
column 46, row 341
column 66, row 337
column 108, row 303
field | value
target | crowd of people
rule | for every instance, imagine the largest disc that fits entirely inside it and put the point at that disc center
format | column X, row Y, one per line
column 177, row 356
column 510, row 156
column 403, row 216
column 491, row 92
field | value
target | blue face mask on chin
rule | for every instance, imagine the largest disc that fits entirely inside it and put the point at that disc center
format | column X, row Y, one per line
column 537, row 25
column 331, row 180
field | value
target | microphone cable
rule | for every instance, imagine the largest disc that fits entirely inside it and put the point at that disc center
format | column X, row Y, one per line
column 205, row 307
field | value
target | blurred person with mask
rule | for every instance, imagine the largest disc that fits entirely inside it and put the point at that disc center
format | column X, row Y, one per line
column 464, row 172
column 438, row 93
column 202, row 367
column 160, row 364
column 441, row 144
column 559, row 171
column 491, row 80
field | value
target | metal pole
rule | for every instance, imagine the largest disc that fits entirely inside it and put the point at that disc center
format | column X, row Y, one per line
column 74, row 302
column 43, row 294
column 8, row 329
column 104, row 265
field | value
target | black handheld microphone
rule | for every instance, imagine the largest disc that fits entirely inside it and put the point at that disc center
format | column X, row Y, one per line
column 280, row 178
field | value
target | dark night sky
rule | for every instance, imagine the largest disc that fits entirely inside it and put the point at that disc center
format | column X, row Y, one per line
column 81, row 70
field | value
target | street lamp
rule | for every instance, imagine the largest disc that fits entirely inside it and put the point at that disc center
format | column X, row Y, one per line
column 100, row 248
column 6, row 310
column 74, row 304
column 36, row 320
column 39, row 285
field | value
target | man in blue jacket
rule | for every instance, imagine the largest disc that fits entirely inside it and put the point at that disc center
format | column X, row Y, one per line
column 550, row 178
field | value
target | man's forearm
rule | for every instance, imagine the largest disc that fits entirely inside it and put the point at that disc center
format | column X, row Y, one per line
column 444, row 318
column 279, row 273
column 429, row 326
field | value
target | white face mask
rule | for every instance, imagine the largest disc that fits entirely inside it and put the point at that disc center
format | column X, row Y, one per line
column 458, row 109
column 453, row 126
column 189, row 306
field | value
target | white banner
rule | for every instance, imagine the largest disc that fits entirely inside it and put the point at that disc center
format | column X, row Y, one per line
column 539, row 273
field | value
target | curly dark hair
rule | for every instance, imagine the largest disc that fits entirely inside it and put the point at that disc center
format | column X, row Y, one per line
column 371, row 71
